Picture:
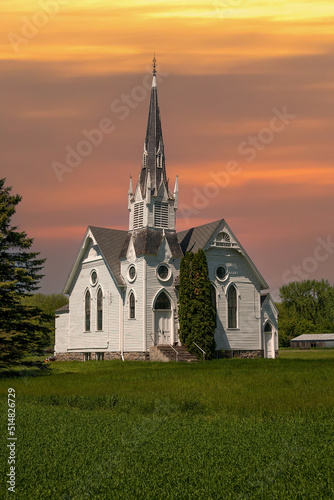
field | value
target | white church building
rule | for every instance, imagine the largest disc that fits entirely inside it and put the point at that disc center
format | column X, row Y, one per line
column 123, row 287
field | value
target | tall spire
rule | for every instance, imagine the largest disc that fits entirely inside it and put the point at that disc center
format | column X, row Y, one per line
column 152, row 205
column 154, row 66
column 153, row 156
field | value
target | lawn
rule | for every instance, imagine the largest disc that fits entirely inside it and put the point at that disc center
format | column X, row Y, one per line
column 222, row 429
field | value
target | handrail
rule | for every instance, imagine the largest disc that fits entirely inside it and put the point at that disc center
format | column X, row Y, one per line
column 200, row 350
column 170, row 345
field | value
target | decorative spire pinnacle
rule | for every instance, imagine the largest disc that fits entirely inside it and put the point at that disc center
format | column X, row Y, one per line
column 154, row 66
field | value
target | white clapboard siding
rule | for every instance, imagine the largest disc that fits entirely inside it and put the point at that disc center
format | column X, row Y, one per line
column 155, row 285
column 108, row 338
column 133, row 328
column 269, row 312
column 247, row 335
column 62, row 332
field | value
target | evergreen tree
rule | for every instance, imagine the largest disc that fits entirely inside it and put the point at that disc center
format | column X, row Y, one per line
column 48, row 304
column 196, row 313
column 186, row 297
column 22, row 328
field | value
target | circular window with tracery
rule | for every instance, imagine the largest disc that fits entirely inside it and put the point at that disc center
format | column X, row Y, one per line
column 163, row 272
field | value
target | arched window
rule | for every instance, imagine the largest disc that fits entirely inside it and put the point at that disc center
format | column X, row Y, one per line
column 214, row 302
column 99, row 306
column 162, row 302
column 268, row 327
column 132, row 306
column 232, row 307
column 87, row 311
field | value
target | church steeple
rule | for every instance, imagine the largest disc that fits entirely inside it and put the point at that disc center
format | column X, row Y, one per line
column 152, row 205
column 153, row 154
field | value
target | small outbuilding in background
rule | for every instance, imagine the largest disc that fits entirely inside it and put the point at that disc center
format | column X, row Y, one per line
column 307, row 341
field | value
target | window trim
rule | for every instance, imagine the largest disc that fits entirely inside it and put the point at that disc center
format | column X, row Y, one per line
column 131, row 280
column 164, row 264
column 268, row 322
column 221, row 280
column 97, row 309
column 232, row 285
column 132, row 294
column 87, row 292
column 90, row 277
column 157, row 297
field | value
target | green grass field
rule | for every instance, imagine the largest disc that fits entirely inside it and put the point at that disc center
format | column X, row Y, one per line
column 222, row 429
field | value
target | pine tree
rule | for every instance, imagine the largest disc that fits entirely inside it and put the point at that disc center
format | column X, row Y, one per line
column 196, row 313
column 22, row 328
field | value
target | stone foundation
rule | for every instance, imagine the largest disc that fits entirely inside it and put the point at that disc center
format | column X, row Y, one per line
column 107, row 356
column 69, row 356
column 240, row 354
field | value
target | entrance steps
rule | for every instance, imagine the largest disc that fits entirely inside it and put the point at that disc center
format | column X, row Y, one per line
column 165, row 353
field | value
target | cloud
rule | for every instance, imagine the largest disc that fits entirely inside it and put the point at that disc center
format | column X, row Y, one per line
column 225, row 76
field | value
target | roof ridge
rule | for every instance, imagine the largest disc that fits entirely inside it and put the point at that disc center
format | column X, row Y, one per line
column 218, row 221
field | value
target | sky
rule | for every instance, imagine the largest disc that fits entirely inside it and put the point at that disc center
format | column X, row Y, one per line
column 247, row 104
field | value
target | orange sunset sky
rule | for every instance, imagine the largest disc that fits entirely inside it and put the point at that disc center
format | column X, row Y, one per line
column 227, row 69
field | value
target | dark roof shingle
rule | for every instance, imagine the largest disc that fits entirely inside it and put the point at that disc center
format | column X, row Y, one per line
column 191, row 240
column 110, row 242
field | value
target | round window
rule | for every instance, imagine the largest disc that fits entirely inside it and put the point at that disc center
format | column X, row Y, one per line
column 163, row 272
column 132, row 273
column 221, row 273
column 93, row 277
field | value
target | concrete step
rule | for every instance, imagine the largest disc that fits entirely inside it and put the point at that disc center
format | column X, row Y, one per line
column 164, row 352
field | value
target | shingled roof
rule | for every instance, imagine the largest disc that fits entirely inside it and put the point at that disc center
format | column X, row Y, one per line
column 153, row 142
column 110, row 242
column 198, row 237
column 63, row 309
column 148, row 242
column 313, row 337
column 191, row 240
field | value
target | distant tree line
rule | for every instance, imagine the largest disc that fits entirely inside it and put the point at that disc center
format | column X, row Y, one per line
column 306, row 307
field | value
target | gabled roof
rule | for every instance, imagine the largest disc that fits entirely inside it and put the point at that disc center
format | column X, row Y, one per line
column 264, row 297
column 191, row 240
column 198, row 237
column 309, row 337
column 114, row 243
column 63, row 309
column 110, row 242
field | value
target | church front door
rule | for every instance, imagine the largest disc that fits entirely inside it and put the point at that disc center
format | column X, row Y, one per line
column 162, row 319
column 162, row 327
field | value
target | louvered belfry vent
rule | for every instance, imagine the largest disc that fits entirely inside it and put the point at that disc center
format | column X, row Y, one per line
column 138, row 217
column 161, row 214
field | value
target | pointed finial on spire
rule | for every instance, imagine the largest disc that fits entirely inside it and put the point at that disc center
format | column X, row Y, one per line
column 154, row 66
column 130, row 191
